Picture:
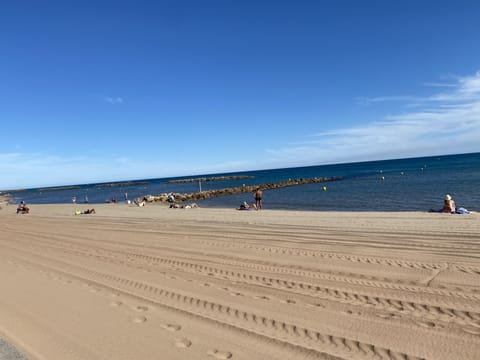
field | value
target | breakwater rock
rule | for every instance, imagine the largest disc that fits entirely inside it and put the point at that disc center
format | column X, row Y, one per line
column 214, row 178
column 4, row 199
column 232, row 191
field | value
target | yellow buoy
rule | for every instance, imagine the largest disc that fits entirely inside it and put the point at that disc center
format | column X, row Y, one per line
column 324, row 188
column 383, row 177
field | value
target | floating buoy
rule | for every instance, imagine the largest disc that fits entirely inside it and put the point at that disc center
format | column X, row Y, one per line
column 324, row 188
column 383, row 177
column 402, row 173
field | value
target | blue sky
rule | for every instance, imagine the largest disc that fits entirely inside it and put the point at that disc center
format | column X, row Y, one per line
column 116, row 90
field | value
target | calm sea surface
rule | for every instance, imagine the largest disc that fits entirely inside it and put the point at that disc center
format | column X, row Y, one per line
column 416, row 184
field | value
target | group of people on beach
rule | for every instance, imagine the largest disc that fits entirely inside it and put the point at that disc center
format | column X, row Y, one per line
column 258, row 205
column 448, row 205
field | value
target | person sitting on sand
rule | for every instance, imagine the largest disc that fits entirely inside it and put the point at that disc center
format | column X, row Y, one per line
column 138, row 202
column 23, row 208
column 448, row 204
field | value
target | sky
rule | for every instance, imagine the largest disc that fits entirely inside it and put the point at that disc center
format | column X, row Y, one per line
column 94, row 91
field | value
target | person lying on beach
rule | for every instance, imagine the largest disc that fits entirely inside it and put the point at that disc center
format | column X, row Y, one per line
column 246, row 206
column 88, row 211
column 188, row 206
column 23, row 208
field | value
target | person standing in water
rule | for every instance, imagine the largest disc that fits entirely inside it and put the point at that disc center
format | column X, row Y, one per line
column 258, row 199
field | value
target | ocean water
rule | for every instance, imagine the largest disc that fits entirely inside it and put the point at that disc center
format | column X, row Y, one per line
column 414, row 184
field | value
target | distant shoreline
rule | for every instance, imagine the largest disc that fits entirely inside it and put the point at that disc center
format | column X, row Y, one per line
column 5, row 199
column 201, row 195
column 213, row 178
column 373, row 186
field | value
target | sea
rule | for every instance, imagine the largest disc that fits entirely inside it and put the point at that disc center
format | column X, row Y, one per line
column 412, row 184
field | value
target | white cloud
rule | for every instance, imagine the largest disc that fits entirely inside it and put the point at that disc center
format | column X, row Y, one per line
column 445, row 123
column 368, row 101
column 434, row 84
column 114, row 100
column 442, row 123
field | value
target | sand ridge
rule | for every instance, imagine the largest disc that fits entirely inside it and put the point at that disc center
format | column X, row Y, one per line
column 130, row 282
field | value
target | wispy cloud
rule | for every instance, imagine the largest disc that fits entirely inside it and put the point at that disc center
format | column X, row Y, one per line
column 434, row 84
column 463, row 89
column 113, row 100
column 447, row 122
column 371, row 100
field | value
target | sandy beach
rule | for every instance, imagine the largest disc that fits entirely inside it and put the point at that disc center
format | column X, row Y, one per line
column 158, row 283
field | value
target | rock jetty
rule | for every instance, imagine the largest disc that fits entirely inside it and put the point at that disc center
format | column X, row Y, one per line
column 4, row 199
column 214, row 178
column 232, row 191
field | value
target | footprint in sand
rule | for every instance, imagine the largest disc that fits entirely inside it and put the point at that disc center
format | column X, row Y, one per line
column 171, row 327
column 472, row 331
column 139, row 319
column 426, row 324
column 183, row 343
column 288, row 301
column 261, row 297
column 317, row 305
column 219, row 354
column 116, row 303
column 351, row 312
column 388, row 316
column 236, row 294
column 140, row 308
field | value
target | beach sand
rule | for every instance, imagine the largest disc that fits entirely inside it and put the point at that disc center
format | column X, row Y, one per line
column 158, row 283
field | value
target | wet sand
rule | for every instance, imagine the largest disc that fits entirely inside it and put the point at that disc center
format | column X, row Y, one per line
column 152, row 282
